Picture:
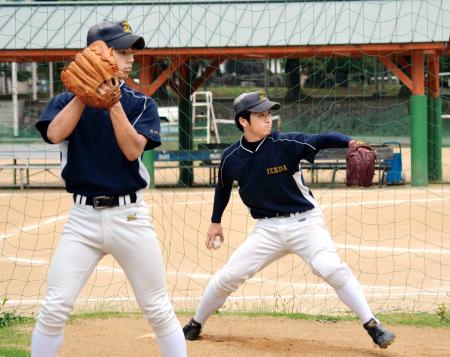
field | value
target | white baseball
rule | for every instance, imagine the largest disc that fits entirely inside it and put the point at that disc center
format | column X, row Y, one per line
column 216, row 243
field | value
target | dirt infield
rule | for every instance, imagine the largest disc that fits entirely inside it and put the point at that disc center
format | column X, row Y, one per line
column 395, row 239
column 251, row 337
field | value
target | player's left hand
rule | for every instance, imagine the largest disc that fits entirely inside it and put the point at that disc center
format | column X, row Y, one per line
column 108, row 88
column 353, row 143
column 93, row 76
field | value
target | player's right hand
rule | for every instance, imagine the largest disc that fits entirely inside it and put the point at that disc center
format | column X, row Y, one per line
column 214, row 230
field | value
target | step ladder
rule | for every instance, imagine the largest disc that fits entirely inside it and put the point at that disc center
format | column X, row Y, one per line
column 203, row 117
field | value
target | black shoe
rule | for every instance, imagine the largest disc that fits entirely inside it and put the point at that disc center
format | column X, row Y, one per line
column 192, row 330
column 381, row 336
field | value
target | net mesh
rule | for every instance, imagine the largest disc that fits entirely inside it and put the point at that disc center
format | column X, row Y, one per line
column 395, row 238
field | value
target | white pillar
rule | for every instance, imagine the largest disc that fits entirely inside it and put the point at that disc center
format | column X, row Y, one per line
column 34, row 80
column 15, row 98
column 4, row 83
column 50, row 79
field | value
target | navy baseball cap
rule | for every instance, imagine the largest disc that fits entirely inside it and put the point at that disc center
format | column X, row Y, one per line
column 254, row 102
column 117, row 35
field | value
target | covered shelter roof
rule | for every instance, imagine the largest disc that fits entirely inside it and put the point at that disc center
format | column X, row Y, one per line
column 211, row 28
column 179, row 31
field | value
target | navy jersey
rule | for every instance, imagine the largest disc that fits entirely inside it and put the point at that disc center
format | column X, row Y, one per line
column 92, row 161
column 269, row 177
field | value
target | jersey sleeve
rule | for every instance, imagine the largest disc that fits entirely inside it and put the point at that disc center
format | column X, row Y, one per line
column 147, row 123
column 306, row 146
column 52, row 109
column 222, row 193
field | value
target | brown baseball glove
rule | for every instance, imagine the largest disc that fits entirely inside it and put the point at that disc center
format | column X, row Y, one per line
column 360, row 165
column 90, row 68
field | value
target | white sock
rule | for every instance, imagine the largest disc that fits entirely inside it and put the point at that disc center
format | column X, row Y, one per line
column 173, row 344
column 43, row 345
column 209, row 304
column 352, row 295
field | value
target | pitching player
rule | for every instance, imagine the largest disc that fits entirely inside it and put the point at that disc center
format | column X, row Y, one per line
column 101, row 166
column 266, row 166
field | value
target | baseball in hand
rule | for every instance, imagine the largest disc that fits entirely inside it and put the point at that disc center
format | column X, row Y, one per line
column 216, row 243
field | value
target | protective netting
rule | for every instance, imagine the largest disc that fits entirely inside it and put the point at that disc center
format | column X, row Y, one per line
column 394, row 237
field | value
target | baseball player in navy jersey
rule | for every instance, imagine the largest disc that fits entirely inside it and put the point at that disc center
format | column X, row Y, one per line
column 266, row 166
column 101, row 166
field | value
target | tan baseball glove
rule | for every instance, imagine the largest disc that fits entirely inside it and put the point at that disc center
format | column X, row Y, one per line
column 90, row 68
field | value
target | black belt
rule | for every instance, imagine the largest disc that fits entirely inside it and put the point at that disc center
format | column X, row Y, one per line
column 281, row 215
column 104, row 201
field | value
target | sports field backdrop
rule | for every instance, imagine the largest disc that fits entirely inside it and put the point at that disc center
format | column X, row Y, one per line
column 376, row 70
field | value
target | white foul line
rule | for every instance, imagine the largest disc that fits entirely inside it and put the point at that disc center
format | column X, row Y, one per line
column 52, row 220
column 380, row 249
column 384, row 202
column 352, row 247
column 207, row 276
column 239, row 298
column 332, row 205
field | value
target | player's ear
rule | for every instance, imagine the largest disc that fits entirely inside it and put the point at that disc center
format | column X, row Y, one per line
column 244, row 122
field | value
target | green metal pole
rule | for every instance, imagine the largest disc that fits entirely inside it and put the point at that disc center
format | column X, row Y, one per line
column 419, row 167
column 149, row 162
column 185, row 139
column 434, row 124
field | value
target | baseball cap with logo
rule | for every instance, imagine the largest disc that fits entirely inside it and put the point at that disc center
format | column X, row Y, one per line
column 117, row 35
column 254, row 102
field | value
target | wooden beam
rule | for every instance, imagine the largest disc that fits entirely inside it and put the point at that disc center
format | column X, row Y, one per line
column 397, row 72
column 162, row 78
column 418, row 73
column 46, row 55
column 433, row 76
column 404, row 64
column 300, row 51
column 145, row 70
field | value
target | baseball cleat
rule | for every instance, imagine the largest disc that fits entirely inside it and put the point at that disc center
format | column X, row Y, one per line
column 192, row 330
column 381, row 336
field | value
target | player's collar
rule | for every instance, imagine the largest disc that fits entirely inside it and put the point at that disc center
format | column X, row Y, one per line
column 250, row 146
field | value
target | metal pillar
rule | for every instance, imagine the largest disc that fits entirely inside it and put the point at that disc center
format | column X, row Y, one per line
column 145, row 78
column 185, row 131
column 418, row 106
column 15, row 98
column 434, row 121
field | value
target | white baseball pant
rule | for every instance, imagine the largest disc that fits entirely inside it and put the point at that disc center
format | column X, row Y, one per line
column 127, row 234
column 303, row 233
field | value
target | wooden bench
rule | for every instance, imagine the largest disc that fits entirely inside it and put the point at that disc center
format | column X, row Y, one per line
column 326, row 159
column 21, row 170
column 335, row 160
column 207, row 158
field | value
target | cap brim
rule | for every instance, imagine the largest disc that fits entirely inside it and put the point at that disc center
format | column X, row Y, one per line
column 127, row 41
column 267, row 105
